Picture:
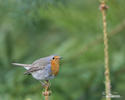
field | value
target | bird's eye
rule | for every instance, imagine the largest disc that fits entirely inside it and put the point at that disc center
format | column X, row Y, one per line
column 53, row 58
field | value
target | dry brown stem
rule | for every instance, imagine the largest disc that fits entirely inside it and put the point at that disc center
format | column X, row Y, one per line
column 103, row 8
column 47, row 93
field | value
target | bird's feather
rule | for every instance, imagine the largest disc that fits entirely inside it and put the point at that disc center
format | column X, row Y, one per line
column 23, row 65
column 33, row 69
column 43, row 61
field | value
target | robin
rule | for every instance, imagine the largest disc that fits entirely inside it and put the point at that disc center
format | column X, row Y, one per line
column 42, row 69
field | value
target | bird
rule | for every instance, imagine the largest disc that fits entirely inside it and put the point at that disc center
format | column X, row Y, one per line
column 42, row 69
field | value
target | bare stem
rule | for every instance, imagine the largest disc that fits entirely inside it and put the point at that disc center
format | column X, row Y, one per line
column 103, row 8
column 47, row 93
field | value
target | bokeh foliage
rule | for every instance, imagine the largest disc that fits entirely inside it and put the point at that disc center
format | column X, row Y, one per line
column 30, row 29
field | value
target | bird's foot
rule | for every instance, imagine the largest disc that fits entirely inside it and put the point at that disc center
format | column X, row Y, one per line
column 45, row 84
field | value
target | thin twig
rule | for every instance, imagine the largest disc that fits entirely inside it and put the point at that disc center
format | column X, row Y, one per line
column 103, row 8
column 46, row 93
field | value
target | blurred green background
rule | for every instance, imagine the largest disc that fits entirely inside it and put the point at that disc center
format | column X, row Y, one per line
column 31, row 29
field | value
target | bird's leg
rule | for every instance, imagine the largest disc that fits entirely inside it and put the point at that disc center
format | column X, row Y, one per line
column 46, row 93
column 48, row 83
column 45, row 84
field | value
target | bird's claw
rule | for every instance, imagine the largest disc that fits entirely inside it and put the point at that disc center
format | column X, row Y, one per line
column 45, row 84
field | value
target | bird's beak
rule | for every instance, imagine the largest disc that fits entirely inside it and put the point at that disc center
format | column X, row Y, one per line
column 60, row 58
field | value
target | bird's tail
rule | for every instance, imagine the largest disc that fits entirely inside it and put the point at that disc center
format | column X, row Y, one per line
column 23, row 65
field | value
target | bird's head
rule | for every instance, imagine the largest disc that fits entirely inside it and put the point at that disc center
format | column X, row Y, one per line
column 56, row 58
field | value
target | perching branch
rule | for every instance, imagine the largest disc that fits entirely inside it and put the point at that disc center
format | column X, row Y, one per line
column 46, row 93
